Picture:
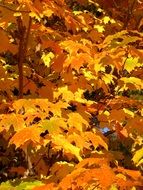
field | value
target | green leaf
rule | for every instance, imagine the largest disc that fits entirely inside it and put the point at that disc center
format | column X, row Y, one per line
column 22, row 186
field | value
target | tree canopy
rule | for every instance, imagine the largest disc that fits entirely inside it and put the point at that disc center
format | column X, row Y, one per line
column 71, row 94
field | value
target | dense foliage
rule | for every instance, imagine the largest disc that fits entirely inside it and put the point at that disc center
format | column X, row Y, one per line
column 71, row 94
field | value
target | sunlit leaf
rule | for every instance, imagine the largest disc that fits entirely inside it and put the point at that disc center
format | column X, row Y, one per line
column 137, row 156
column 27, row 134
column 47, row 58
column 131, row 63
column 61, row 142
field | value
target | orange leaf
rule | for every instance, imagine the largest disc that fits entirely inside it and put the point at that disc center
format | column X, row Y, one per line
column 27, row 134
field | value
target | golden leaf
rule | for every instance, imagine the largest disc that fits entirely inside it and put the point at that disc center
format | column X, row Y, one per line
column 76, row 121
column 131, row 63
column 61, row 142
column 47, row 58
column 96, row 140
column 137, row 156
column 26, row 134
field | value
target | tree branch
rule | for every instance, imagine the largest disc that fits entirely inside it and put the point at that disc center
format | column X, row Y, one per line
column 13, row 10
column 21, row 31
column 129, row 14
column 23, row 43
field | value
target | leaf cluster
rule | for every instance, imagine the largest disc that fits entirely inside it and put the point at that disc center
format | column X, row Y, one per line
column 71, row 109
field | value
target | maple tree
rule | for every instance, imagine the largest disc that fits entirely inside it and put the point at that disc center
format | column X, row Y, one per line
column 71, row 104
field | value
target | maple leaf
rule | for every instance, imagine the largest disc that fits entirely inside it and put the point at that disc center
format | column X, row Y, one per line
column 77, row 121
column 73, row 47
column 60, row 50
column 110, row 38
column 96, row 140
column 133, row 80
column 65, row 93
column 131, row 63
column 61, row 142
column 26, row 134
column 47, row 58
column 70, row 179
column 137, row 158
column 60, row 169
column 58, row 61
column 134, row 175
column 6, row 45
column 54, row 125
column 134, row 125
column 89, row 175
column 79, row 140
column 108, row 78
column 11, row 120
column 6, row 16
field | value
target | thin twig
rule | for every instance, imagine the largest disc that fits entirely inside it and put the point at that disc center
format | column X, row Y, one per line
column 115, row 4
column 130, row 12
column 13, row 10
column 23, row 43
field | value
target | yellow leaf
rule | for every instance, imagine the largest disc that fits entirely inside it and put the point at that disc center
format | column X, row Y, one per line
column 133, row 188
column 129, row 112
column 138, row 155
column 99, row 28
column 34, row 15
column 54, row 125
column 17, row 14
column 107, row 113
column 121, row 176
column 8, row 120
column 48, row 12
column 108, row 78
column 98, row 67
column 89, row 75
column 133, row 80
column 47, row 58
column 63, row 143
column 65, row 93
column 113, row 187
column 107, row 19
column 77, row 12
column 76, row 121
column 109, row 38
column 131, row 63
